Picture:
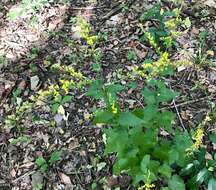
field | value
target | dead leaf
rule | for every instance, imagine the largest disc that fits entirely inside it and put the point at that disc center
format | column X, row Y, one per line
column 141, row 54
column 34, row 82
column 22, row 85
column 13, row 173
column 64, row 178
column 210, row 3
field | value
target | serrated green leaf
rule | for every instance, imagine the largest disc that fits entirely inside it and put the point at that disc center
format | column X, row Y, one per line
column 103, row 116
column 165, row 170
column 144, row 163
column 66, row 99
column 96, row 90
column 173, row 156
column 165, row 120
column 165, row 94
column 129, row 119
column 149, row 96
column 55, row 107
column 114, row 88
column 176, row 183
column 41, row 164
column 55, row 156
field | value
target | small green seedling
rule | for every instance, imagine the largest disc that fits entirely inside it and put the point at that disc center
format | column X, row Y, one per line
column 43, row 164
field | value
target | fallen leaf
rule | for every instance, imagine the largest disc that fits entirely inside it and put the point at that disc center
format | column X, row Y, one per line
column 64, row 178
column 13, row 173
column 34, row 82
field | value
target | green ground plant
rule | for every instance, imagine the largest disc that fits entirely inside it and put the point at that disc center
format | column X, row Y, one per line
column 202, row 54
column 142, row 150
column 43, row 164
column 165, row 29
column 27, row 6
column 147, row 145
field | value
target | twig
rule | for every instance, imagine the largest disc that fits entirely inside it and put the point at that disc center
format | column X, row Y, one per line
column 87, row 8
column 188, row 102
column 22, row 176
column 178, row 114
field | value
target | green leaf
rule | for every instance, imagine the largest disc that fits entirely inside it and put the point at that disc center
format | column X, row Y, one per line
column 165, row 170
column 212, row 184
column 41, row 164
column 149, row 96
column 55, row 107
column 213, row 137
column 188, row 169
column 173, row 156
column 40, row 161
column 153, row 13
column 103, row 116
column 96, row 90
column 114, row 88
column 165, row 188
column 66, row 99
column 129, row 119
column 165, row 120
column 55, row 156
column 165, row 94
column 145, row 162
column 176, row 183
column 202, row 175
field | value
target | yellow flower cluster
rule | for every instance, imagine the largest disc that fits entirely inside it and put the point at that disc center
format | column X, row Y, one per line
column 150, row 70
column 152, row 41
column 85, row 31
column 197, row 137
column 69, row 70
column 65, row 84
column 147, row 186
column 114, row 108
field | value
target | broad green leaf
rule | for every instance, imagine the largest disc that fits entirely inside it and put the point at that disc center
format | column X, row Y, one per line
column 103, row 116
column 55, row 107
column 153, row 13
column 166, row 95
column 173, row 156
column 129, row 119
column 149, row 96
column 165, row 120
column 40, row 161
column 66, row 99
column 114, row 88
column 55, row 156
column 41, row 164
column 213, row 137
column 202, row 175
column 188, row 169
column 212, row 184
column 165, row 170
column 165, row 188
column 96, row 90
column 145, row 162
column 176, row 183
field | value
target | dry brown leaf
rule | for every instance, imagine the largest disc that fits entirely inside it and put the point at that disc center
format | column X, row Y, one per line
column 64, row 178
column 13, row 172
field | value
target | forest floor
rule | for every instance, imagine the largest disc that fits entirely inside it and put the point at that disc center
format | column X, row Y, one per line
column 28, row 54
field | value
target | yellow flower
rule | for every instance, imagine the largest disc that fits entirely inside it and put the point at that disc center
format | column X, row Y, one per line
column 197, row 137
column 147, row 186
column 114, row 109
